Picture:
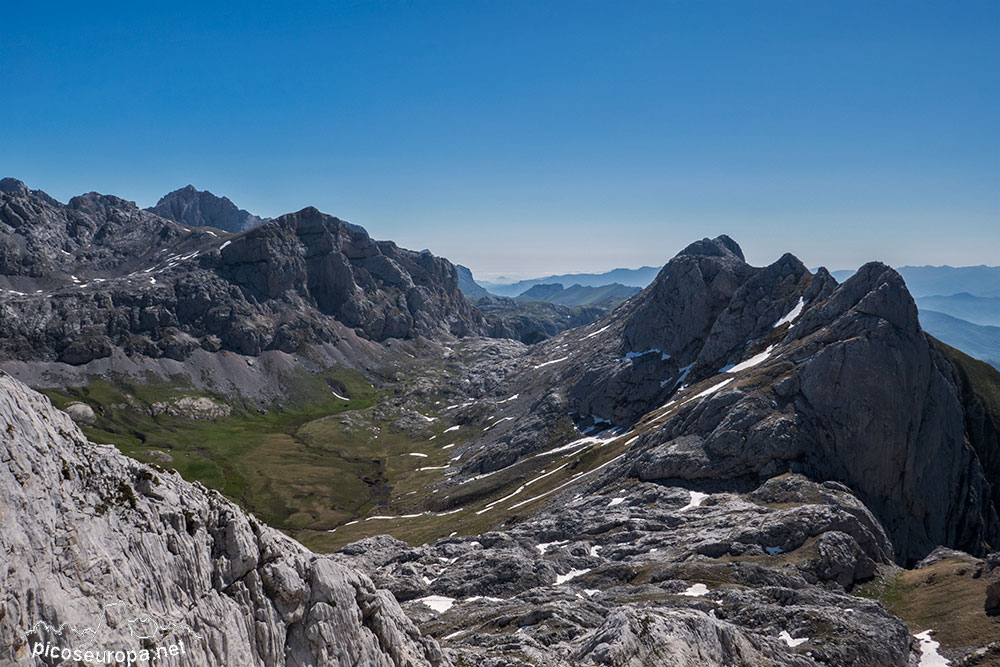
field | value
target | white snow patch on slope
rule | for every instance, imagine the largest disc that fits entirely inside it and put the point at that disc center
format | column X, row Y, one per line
column 453, row 428
column 549, row 363
column 787, row 638
column 929, row 656
column 792, row 315
column 545, row 546
column 616, row 501
column 684, row 373
column 695, row 590
column 575, row 478
column 749, row 363
column 438, row 603
column 224, row 245
column 596, row 332
column 343, row 398
column 572, row 574
column 635, row 355
column 502, row 419
column 707, row 392
column 418, row 454
column 521, row 488
column 697, row 497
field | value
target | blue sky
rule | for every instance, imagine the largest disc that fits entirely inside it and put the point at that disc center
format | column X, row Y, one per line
column 525, row 138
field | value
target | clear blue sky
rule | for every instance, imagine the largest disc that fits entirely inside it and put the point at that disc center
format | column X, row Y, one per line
column 527, row 138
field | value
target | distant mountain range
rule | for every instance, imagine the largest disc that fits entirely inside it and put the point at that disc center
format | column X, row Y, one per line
column 640, row 277
column 945, row 280
column 982, row 310
column 579, row 295
column 975, row 340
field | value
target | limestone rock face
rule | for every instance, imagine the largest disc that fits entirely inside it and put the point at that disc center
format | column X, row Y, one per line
column 636, row 574
column 81, row 413
column 85, row 279
column 198, row 408
column 82, row 528
column 729, row 372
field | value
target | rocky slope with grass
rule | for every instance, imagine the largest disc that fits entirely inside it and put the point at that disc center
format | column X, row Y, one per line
column 86, row 531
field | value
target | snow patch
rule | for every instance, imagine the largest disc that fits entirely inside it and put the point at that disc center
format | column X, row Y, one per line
column 502, row 419
column 575, row 478
column 616, row 501
column 929, row 656
column 572, row 574
column 792, row 315
column 635, row 355
column 708, row 392
column 749, row 363
column 521, row 488
column 438, row 603
column 697, row 497
column 596, row 332
column 549, row 363
column 418, row 454
column 787, row 638
column 545, row 546
column 695, row 590
column 684, row 373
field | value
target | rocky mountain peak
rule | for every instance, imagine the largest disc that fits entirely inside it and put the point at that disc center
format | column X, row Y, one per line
column 95, row 202
column 875, row 290
column 720, row 246
column 201, row 208
column 14, row 186
column 759, row 371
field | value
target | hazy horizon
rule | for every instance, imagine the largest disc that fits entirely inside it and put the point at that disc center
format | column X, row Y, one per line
column 526, row 139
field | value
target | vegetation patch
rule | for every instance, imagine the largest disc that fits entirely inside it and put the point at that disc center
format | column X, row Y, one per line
column 947, row 597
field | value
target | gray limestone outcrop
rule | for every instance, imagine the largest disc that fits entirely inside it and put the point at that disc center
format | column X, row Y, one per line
column 725, row 371
column 98, row 274
column 642, row 573
column 84, row 530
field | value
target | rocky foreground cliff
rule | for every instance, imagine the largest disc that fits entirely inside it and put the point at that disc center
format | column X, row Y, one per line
column 103, row 553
